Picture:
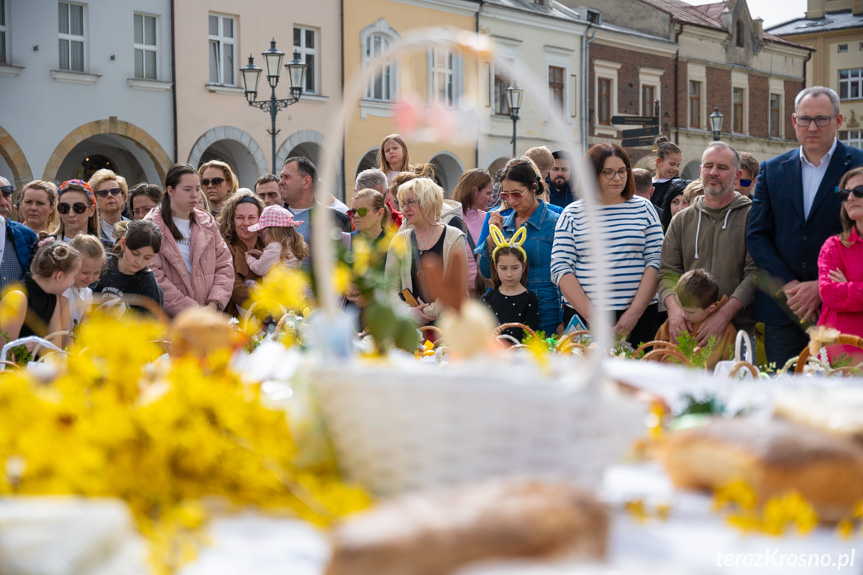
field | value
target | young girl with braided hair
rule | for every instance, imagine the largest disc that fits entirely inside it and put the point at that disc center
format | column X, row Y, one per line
column 35, row 309
column 510, row 300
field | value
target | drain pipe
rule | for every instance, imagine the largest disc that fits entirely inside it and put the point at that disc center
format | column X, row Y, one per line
column 585, row 82
column 174, row 85
column 476, row 31
column 344, row 187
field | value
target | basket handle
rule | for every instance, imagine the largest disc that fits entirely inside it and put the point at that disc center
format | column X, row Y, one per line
column 24, row 340
column 743, row 348
column 843, row 339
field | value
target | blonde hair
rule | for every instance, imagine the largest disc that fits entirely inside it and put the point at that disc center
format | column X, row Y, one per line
column 53, row 257
column 226, row 171
column 692, row 190
column 89, row 246
column 542, row 157
column 847, row 223
column 105, row 175
column 406, row 158
column 51, row 190
column 291, row 241
column 428, row 194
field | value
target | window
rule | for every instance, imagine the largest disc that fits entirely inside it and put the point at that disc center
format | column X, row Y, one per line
column 72, row 40
column 737, row 109
column 145, row 46
column 594, row 17
column 444, row 78
column 775, row 116
column 223, row 45
column 842, row 48
column 694, row 104
column 502, row 82
column 382, row 86
column 556, row 85
column 740, row 37
column 604, row 101
column 306, row 45
column 853, row 138
column 4, row 32
column 851, row 84
column 648, row 96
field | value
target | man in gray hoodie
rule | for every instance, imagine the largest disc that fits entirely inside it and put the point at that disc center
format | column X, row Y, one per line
column 711, row 235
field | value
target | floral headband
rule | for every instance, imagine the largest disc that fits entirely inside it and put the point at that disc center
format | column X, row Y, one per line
column 81, row 183
column 515, row 242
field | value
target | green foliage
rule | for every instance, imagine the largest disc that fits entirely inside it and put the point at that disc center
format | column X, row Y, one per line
column 688, row 346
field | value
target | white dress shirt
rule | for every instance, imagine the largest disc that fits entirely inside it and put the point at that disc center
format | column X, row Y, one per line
column 811, row 175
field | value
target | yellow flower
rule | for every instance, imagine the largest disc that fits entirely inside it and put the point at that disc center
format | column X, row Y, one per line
column 13, row 302
column 636, row 509
column 845, row 528
column 735, row 493
column 282, row 289
column 362, row 256
column 539, row 349
column 341, row 278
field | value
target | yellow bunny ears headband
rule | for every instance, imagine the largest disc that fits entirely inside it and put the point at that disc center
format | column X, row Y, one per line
column 514, row 242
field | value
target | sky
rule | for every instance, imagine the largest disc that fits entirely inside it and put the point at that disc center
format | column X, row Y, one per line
column 772, row 11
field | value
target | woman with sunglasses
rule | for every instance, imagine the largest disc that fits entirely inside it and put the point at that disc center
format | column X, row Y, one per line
column 111, row 191
column 241, row 211
column 79, row 213
column 193, row 267
column 840, row 267
column 218, row 183
column 631, row 265
column 521, row 187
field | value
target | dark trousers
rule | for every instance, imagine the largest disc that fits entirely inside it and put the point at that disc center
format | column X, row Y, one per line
column 782, row 342
column 644, row 331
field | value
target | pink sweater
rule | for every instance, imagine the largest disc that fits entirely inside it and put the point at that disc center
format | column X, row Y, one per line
column 842, row 301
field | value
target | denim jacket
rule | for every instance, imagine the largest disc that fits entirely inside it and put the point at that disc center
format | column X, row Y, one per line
column 540, row 237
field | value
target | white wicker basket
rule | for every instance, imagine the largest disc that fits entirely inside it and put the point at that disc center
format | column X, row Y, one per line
column 419, row 427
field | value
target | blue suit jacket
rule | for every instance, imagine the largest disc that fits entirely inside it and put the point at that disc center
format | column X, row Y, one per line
column 784, row 245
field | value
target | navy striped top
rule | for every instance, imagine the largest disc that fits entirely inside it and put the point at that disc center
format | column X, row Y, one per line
column 633, row 235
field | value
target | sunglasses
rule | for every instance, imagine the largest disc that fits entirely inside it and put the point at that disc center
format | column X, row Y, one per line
column 215, row 181
column 112, row 191
column 7, row 190
column 78, row 208
column 514, row 195
column 361, row 212
column 745, row 183
column 845, row 194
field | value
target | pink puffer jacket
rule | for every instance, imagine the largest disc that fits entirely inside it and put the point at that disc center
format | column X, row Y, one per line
column 212, row 277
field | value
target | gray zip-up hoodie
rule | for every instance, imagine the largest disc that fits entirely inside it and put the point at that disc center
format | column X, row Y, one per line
column 715, row 241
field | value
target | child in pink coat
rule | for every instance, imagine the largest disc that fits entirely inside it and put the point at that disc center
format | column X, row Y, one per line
column 284, row 244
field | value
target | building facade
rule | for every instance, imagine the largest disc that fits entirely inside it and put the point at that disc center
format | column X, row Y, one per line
column 85, row 85
column 834, row 30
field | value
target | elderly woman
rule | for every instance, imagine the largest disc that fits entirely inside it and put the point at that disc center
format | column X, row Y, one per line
column 218, row 182
column 37, row 206
column 193, row 267
column 634, row 237
column 241, row 211
column 143, row 198
column 424, row 240
column 521, row 187
column 110, row 190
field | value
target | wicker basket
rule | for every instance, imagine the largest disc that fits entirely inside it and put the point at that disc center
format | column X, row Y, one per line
column 421, row 427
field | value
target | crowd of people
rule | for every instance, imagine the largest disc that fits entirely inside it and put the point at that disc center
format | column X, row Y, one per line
column 778, row 243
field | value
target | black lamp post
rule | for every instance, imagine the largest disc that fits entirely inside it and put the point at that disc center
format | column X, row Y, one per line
column 514, row 95
column 716, row 123
column 252, row 75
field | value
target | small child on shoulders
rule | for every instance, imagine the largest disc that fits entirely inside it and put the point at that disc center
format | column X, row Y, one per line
column 285, row 245
column 698, row 293
column 510, row 300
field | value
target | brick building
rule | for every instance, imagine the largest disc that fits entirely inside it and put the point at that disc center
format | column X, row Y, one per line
column 698, row 58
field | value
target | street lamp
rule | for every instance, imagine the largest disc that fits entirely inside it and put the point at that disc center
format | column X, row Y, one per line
column 514, row 94
column 252, row 75
column 716, row 123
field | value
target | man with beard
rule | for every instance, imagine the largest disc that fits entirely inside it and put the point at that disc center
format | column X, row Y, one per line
column 711, row 235
column 559, row 178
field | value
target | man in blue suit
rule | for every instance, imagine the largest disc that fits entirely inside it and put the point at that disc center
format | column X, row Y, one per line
column 794, row 210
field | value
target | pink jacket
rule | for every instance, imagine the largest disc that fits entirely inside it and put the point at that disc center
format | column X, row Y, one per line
column 212, row 277
column 842, row 302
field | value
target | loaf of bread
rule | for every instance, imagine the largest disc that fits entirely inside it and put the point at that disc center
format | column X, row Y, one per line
column 773, row 458
column 836, row 410
column 436, row 533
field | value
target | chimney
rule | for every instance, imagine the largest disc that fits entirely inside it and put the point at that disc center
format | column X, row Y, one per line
column 816, row 8
column 857, row 7
column 758, row 28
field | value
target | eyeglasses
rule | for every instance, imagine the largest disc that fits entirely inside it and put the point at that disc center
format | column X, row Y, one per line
column 745, row 183
column 845, row 194
column 361, row 212
column 112, row 191
column 215, row 181
column 7, row 190
column 78, row 208
column 610, row 174
column 409, row 204
column 513, row 195
column 820, row 121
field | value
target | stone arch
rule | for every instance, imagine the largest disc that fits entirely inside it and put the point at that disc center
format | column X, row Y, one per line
column 493, row 155
column 14, row 157
column 448, row 169
column 122, row 131
column 236, row 147
column 367, row 161
column 692, row 171
column 309, row 144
